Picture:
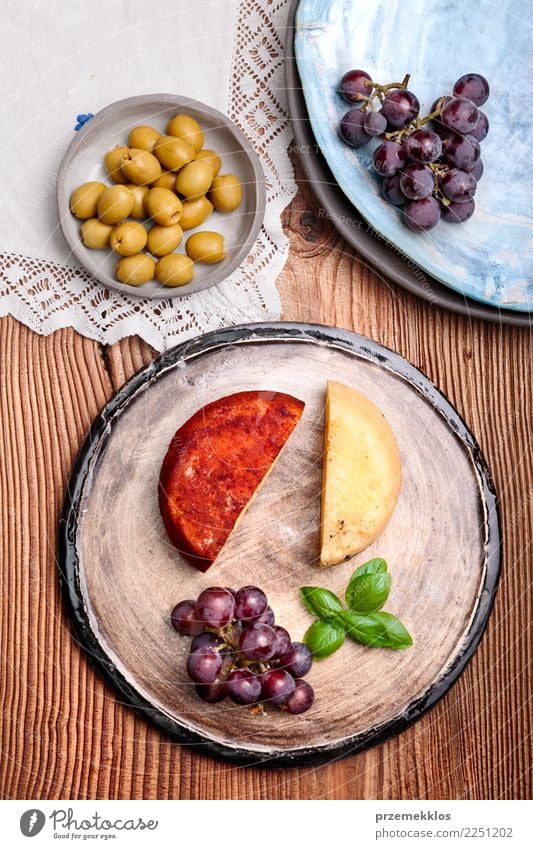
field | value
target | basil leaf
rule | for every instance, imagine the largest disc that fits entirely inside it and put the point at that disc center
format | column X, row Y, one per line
column 368, row 593
column 377, row 564
column 323, row 638
column 377, row 629
column 321, row 602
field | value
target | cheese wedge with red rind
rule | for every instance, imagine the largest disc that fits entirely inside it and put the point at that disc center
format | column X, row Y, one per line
column 216, row 463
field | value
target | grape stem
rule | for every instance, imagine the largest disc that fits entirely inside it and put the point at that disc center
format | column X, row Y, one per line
column 381, row 88
column 438, row 168
column 440, row 196
column 379, row 91
column 412, row 126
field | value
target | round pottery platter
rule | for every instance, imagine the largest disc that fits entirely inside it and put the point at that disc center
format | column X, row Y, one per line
column 83, row 161
column 122, row 576
column 490, row 257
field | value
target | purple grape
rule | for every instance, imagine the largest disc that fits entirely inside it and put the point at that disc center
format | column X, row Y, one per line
column 297, row 660
column 423, row 146
column 391, row 191
column 258, row 642
column 185, row 619
column 417, row 181
column 250, row 602
column 351, row 128
column 354, row 84
column 375, row 123
column 243, row 687
column 436, row 124
column 283, row 641
column 267, row 617
column 474, row 87
column 477, row 170
column 458, row 186
column 462, row 151
column 391, row 129
column 302, row 698
column 457, row 213
column 481, row 130
column 442, row 131
column 422, row 214
column 232, row 591
column 277, row 686
column 206, row 638
column 204, row 664
column 460, row 115
column 389, row 157
column 212, row 693
column 400, row 107
column 215, row 606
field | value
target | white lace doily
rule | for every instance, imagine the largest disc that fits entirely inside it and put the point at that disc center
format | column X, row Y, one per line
column 46, row 295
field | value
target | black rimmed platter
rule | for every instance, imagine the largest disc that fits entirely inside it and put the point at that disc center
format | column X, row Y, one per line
column 121, row 576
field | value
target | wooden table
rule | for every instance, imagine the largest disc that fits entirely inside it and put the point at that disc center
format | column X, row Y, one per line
column 63, row 734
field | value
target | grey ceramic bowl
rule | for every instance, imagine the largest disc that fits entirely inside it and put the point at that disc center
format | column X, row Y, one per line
column 83, row 161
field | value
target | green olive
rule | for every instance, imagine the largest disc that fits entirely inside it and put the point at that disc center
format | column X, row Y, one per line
column 195, row 212
column 174, row 270
column 226, row 193
column 143, row 137
column 165, row 181
column 139, row 193
column 194, row 179
column 163, row 206
column 185, row 127
column 95, row 234
column 211, row 157
column 135, row 270
column 114, row 205
column 173, row 153
column 84, row 199
column 206, row 246
column 113, row 162
column 140, row 167
column 164, row 240
column 128, row 238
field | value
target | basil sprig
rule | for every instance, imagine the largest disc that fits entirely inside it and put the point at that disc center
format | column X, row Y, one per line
column 368, row 592
column 320, row 602
column 324, row 638
column 363, row 621
column 377, row 629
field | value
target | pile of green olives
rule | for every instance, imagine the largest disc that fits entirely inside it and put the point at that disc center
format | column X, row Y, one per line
column 169, row 182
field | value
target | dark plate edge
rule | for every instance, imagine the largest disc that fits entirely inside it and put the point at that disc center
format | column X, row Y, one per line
column 68, row 559
column 324, row 187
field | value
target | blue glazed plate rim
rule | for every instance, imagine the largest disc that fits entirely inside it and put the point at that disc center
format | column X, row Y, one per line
column 379, row 225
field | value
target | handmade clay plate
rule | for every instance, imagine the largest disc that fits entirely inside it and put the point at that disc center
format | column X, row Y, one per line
column 83, row 161
column 122, row 576
column 490, row 258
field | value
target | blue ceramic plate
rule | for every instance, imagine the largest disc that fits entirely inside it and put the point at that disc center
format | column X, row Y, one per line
column 490, row 257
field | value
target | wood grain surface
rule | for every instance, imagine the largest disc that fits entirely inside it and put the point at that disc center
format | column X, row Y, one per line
column 63, row 734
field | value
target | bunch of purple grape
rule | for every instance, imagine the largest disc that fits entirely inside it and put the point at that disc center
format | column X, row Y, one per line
column 431, row 165
column 238, row 651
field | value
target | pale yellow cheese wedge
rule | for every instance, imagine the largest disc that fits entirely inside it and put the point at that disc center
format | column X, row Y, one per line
column 361, row 474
